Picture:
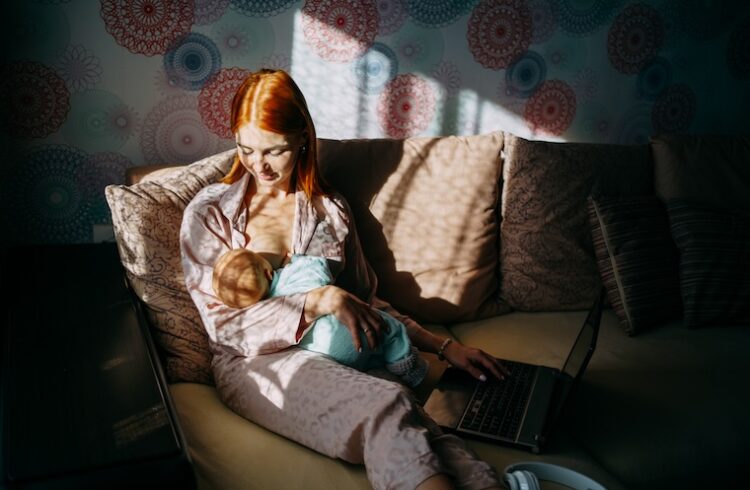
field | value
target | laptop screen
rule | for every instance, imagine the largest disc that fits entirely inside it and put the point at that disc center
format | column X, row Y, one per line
column 578, row 356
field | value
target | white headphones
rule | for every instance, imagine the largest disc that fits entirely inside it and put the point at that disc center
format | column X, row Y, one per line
column 526, row 476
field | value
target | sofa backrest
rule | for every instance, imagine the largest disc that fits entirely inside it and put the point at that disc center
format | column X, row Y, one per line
column 427, row 211
column 708, row 170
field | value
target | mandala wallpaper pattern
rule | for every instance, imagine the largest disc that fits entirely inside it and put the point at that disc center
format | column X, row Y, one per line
column 90, row 88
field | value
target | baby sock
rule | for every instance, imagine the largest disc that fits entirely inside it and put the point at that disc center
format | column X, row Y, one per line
column 412, row 368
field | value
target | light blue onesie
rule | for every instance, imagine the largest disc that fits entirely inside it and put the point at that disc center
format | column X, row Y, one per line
column 328, row 336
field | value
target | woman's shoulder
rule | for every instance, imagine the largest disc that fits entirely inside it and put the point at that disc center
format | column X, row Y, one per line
column 207, row 197
column 335, row 205
column 205, row 207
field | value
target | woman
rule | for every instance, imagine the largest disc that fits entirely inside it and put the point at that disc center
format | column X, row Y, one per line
column 274, row 201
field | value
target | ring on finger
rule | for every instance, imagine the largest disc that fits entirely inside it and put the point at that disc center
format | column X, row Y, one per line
column 367, row 330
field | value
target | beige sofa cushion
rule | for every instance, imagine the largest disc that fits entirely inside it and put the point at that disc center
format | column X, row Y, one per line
column 710, row 170
column 229, row 452
column 426, row 213
column 665, row 409
column 146, row 219
column 546, row 254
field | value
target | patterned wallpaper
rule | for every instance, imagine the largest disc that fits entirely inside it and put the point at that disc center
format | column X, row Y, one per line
column 89, row 88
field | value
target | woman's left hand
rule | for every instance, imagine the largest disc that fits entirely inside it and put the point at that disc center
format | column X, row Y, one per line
column 474, row 361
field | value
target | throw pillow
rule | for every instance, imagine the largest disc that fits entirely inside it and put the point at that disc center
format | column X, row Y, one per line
column 546, row 255
column 426, row 212
column 714, row 263
column 637, row 259
column 146, row 219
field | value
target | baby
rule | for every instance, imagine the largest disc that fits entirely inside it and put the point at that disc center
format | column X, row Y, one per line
column 242, row 278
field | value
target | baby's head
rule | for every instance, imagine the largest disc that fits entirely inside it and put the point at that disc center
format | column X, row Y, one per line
column 241, row 278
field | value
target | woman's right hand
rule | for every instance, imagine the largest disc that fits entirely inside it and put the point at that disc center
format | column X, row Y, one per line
column 351, row 311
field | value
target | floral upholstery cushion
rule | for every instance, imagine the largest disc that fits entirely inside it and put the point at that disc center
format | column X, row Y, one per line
column 146, row 219
column 547, row 259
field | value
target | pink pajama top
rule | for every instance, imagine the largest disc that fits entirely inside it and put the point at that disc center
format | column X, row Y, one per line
column 214, row 222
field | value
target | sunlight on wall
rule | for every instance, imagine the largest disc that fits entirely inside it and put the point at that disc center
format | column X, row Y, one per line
column 362, row 98
column 92, row 90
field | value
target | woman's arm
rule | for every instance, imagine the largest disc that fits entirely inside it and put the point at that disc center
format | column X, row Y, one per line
column 475, row 361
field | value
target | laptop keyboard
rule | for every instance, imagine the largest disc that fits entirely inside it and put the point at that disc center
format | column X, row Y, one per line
column 497, row 407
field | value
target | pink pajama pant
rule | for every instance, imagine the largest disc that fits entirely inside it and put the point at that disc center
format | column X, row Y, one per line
column 347, row 414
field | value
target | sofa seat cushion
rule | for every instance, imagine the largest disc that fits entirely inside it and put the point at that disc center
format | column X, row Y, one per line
column 665, row 409
column 542, row 338
column 228, row 452
column 678, row 399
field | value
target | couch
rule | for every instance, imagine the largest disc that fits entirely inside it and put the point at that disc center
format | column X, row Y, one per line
column 503, row 243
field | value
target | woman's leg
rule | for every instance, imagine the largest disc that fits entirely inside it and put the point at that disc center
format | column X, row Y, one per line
column 335, row 410
column 469, row 472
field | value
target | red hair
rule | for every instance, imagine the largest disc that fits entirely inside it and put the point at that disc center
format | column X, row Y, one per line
column 271, row 100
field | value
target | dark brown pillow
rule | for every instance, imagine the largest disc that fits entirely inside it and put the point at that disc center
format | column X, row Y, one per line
column 714, row 263
column 637, row 259
column 546, row 256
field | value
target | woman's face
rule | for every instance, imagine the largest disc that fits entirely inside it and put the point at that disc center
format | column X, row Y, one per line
column 269, row 157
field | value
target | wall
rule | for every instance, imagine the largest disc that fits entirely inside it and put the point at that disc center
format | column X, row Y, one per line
column 90, row 88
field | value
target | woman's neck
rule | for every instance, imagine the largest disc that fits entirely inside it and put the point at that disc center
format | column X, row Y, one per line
column 273, row 193
column 268, row 192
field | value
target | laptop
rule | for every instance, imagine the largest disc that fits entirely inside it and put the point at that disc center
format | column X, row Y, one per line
column 520, row 410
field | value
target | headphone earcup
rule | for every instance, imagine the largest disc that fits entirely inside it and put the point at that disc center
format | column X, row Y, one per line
column 521, row 480
column 526, row 475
